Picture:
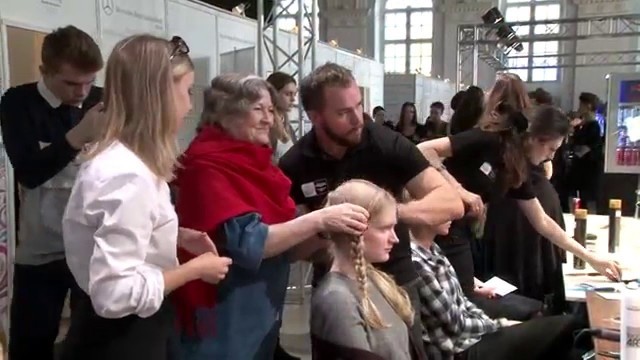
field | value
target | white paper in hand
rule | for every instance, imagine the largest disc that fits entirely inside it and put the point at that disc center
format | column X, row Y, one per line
column 500, row 286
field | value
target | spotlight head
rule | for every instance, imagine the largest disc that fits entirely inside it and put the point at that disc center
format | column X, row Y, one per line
column 241, row 9
column 492, row 16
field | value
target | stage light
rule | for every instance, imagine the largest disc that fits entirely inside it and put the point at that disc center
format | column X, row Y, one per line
column 492, row 16
column 241, row 9
column 503, row 32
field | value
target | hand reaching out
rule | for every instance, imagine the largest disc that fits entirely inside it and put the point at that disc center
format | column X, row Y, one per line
column 89, row 128
column 210, row 267
column 195, row 242
column 606, row 267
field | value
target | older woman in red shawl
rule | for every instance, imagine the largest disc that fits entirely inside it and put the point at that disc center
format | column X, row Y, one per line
column 229, row 188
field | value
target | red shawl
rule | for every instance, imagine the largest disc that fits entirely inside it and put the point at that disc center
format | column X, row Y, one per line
column 222, row 178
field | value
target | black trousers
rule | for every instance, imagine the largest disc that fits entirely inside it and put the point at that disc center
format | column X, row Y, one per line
column 92, row 337
column 541, row 338
column 39, row 292
column 511, row 306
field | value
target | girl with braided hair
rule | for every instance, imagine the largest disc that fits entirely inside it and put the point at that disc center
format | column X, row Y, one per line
column 357, row 311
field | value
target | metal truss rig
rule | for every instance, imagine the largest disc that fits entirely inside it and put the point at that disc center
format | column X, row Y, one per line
column 307, row 35
column 478, row 42
column 307, row 32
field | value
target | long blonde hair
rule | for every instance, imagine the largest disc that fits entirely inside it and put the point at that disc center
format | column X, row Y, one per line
column 374, row 199
column 140, row 109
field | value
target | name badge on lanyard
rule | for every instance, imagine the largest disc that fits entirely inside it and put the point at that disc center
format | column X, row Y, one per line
column 487, row 169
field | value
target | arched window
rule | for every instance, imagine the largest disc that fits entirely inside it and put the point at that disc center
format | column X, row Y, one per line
column 538, row 61
column 408, row 35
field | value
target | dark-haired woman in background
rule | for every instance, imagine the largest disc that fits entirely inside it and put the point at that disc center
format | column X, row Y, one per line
column 514, row 250
column 490, row 161
column 408, row 123
column 282, row 134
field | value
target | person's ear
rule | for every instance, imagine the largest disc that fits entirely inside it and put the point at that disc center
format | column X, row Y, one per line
column 314, row 116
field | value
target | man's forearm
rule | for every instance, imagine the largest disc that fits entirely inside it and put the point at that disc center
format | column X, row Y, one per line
column 439, row 206
column 436, row 162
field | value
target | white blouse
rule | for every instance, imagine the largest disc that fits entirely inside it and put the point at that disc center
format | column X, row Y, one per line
column 120, row 233
column 281, row 149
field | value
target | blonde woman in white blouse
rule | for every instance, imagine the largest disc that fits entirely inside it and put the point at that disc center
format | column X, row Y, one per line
column 120, row 228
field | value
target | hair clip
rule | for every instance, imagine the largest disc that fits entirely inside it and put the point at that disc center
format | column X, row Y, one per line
column 519, row 122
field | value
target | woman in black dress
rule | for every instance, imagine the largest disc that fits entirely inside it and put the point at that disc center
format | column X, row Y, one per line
column 489, row 162
column 529, row 261
column 408, row 124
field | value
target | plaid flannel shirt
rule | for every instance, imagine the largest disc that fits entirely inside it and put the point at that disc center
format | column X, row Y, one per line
column 452, row 322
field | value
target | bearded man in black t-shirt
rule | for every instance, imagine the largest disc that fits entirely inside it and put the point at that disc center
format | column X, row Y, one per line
column 341, row 147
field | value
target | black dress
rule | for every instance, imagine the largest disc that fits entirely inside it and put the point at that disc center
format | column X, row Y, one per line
column 476, row 163
column 518, row 254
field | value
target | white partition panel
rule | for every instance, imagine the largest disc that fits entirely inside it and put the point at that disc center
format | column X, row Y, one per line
column 121, row 18
column 196, row 24
column 46, row 15
column 240, row 61
column 235, row 33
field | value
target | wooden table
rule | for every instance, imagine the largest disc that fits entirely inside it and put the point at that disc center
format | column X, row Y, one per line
column 627, row 254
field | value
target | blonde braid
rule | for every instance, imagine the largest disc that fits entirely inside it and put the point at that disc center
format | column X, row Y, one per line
column 370, row 311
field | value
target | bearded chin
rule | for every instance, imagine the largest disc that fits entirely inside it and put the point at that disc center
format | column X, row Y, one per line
column 340, row 140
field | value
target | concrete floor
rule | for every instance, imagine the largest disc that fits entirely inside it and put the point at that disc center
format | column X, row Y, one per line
column 294, row 335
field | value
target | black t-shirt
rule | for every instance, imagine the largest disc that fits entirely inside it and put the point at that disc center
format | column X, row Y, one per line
column 383, row 157
column 476, row 162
